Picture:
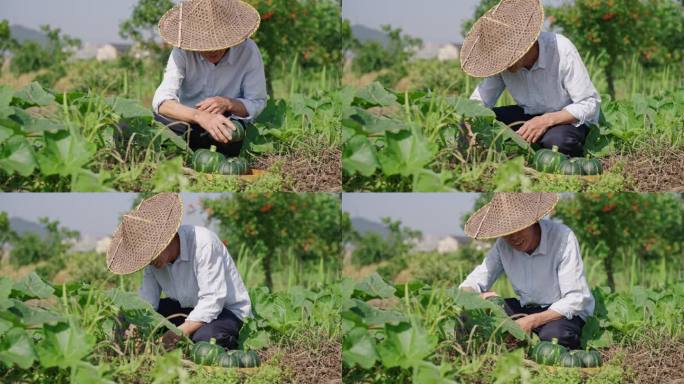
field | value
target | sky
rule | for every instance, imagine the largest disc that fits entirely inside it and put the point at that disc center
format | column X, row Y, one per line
column 92, row 214
column 432, row 213
column 437, row 21
column 97, row 21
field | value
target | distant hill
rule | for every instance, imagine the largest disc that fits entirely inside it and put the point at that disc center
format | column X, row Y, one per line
column 363, row 226
column 364, row 34
column 21, row 226
column 21, row 34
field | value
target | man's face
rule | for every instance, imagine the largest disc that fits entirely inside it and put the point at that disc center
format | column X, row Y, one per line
column 525, row 240
column 167, row 256
column 214, row 56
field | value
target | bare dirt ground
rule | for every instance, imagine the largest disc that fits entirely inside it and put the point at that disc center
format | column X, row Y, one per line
column 310, row 365
column 320, row 172
column 648, row 173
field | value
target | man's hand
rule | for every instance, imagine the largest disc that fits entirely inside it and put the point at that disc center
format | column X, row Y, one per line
column 218, row 126
column 535, row 128
column 169, row 339
column 216, row 105
column 528, row 323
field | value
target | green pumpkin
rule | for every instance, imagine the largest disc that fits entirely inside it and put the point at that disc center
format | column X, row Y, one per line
column 589, row 359
column 242, row 359
column 228, row 360
column 548, row 160
column 239, row 133
column 569, row 167
column 206, row 160
column 548, row 353
column 589, row 166
column 233, row 166
column 569, row 360
column 205, row 353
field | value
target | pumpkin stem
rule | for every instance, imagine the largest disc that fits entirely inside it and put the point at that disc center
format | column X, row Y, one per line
column 554, row 148
column 212, row 148
column 212, row 340
column 554, row 340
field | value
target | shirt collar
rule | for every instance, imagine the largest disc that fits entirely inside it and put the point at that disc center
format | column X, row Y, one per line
column 543, row 243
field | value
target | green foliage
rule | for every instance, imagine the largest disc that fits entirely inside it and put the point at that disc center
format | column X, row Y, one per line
column 30, row 248
column 372, row 56
column 614, row 30
column 31, row 56
column 372, row 247
column 6, row 41
column 612, row 224
column 141, row 26
column 275, row 224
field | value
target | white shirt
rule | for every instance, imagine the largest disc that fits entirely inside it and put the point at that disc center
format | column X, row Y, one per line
column 552, row 275
column 557, row 81
column 203, row 277
column 189, row 78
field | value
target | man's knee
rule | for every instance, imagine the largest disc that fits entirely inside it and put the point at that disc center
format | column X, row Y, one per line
column 562, row 137
column 566, row 335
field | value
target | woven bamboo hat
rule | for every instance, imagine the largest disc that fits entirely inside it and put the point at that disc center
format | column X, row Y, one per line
column 501, row 37
column 144, row 233
column 509, row 213
column 208, row 25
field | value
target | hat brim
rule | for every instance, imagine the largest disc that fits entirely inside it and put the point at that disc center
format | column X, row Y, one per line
column 492, row 46
column 494, row 227
column 126, row 257
column 195, row 37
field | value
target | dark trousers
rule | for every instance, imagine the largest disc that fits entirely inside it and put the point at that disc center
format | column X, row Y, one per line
column 225, row 329
column 566, row 331
column 568, row 138
column 197, row 137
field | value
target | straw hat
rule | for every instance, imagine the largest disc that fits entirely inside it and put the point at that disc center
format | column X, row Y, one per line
column 208, row 25
column 501, row 37
column 509, row 213
column 144, row 233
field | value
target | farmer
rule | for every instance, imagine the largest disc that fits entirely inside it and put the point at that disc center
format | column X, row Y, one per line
column 186, row 262
column 542, row 71
column 215, row 76
column 542, row 261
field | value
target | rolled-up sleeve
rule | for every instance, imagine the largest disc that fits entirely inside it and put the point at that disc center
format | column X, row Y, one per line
column 173, row 78
column 586, row 100
column 150, row 290
column 211, row 280
column 489, row 90
column 253, row 87
column 484, row 275
column 576, row 297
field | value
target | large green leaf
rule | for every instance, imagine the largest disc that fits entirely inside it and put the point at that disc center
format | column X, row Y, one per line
column 469, row 108
column 358, row 348
column 17, row 156
column 31, row 287
column 359, row 155
column 5, row 290
column 63, row 345
column 373, row 287
column 405, row 153
column 405, row 345
column 427, row 373
column 43, row 125
column 6, row 93
column 16, row 348
column 375, row 95
column 128, row 108
column 365, row 314
column 34, row 316
column 426, row 180
column 65, row 153
column 32, row 95
column 85, row 180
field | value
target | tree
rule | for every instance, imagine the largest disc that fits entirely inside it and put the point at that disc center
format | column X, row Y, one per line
column 309, row 31
column 274, row 223
column 30, row 247
column 6, row 233
column 371, row 247
column 614, row 30
column 6, row 41
column 651, row 224
column 141, row 27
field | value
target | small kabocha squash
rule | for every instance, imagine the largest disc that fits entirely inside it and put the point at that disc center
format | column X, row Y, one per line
column 548, row 352
column 205, row 353
column 548, row 160
column 228, row 360
column 248, row 359
column 207, row 160
column 233, row 166
column 570, row 167
column 589, row 166
column 239, row 133
column 569, row 360
column 590, row 358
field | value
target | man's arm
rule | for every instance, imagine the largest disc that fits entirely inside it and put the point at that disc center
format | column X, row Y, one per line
column 150, row 290
column 484, row 275
column 535, row 128
column 218, row 126
column 213, row 289
column 489, row 90
column 530, row 322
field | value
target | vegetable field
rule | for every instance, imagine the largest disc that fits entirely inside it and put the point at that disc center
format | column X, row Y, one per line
column 78, row 332
column 414, row 332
